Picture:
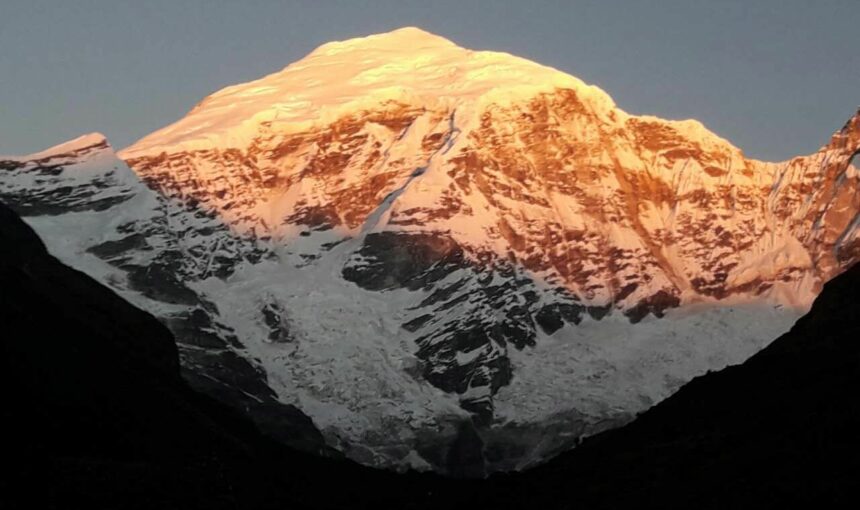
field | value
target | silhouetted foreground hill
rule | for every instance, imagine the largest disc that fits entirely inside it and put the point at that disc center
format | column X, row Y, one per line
column 95, row 415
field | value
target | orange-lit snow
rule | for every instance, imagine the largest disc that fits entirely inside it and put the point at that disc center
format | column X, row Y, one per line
column 407, row 65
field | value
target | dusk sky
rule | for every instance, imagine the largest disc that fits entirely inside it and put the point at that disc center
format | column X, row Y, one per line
column 775, row 77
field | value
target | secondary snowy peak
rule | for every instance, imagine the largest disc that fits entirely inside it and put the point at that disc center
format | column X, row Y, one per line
column 78, row 175
column 407, row 66
column 91, row 142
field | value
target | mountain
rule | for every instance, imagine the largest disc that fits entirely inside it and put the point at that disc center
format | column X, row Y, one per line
column 452, row 260
column 96, row 417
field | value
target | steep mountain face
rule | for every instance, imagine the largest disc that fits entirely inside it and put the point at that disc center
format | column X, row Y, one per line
column 440, row 254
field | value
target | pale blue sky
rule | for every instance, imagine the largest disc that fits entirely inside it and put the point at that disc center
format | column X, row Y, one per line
column 775, row 77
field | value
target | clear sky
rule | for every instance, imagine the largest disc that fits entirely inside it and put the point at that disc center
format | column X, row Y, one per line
column 775, row 77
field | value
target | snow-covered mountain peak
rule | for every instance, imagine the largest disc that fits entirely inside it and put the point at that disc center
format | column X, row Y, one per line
column 84, row 143
column 406, row 39
column 407, row 66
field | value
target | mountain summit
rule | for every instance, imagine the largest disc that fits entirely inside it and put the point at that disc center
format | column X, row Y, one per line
column 440, row 254
column 407, row 65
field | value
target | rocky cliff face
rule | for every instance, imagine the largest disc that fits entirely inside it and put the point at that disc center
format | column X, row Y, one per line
column 405, row 235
